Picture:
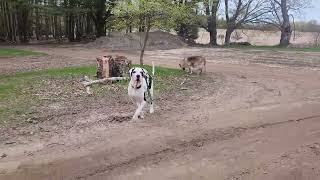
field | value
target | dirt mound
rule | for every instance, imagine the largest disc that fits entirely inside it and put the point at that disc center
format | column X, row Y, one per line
column 133, row 41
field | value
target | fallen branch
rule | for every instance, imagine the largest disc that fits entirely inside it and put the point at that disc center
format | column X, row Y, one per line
column 88, row 82
column 183, row 82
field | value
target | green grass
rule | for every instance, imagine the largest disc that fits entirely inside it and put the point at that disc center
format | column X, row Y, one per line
column 6, row 52
column 16, row 97
column 18, row 91
column 275, row 48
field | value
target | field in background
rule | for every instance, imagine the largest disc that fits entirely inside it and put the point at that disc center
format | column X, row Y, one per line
column 261, row 38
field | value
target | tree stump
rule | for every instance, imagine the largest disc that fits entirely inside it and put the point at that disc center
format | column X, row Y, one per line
column 103, row 70
column 112, row 67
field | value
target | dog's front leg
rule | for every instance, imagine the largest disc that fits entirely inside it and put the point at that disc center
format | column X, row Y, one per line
column 139, row 110
column 199, row 71
column 191, row 70
column 141, row 115
column 151, row 108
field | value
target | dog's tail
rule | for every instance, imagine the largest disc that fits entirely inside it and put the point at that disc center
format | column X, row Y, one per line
column 152, row 83
column 153, row 68
column 151, row 89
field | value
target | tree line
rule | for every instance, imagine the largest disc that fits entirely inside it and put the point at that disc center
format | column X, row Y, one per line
column 22, row 20
column 78, row 20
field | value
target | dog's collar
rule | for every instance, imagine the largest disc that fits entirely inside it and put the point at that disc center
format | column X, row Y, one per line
column 138, row 87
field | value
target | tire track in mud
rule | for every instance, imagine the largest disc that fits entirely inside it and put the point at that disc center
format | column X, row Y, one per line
column 204, row 139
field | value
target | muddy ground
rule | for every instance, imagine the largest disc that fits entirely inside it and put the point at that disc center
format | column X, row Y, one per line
column 254, row 115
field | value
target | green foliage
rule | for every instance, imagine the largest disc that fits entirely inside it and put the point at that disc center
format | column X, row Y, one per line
column 188, row 31
column 162, row 14
column 147, row 14
column 188, row 25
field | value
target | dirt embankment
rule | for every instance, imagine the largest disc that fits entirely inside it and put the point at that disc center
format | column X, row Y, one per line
column 118, row 41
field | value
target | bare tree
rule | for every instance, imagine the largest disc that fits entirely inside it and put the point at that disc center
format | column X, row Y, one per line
column 281, row 14
column 239, row 12
column 211, row 9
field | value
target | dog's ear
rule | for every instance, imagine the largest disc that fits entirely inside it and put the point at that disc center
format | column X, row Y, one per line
column 144, row 71
column 130, row 71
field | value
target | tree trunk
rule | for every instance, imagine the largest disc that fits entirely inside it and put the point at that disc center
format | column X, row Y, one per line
column 286, row 33
column 56, row 33
column 213, row 31
column 286, row 30
column 78, row 28
column 142, row 27
column 145, row 42
column 23, row 22
column 101, row 29
column 212, row 24
column 71, row 27
column 100, row 19
column 227, row 39
column 47, row 27
column 8, row 21
column 12, row 23
column 89, row 28
column 38, row 27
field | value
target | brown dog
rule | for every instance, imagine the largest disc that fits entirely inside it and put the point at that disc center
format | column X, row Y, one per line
column 193, row 63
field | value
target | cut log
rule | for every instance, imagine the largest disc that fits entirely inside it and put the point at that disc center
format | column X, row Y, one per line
column 112, row 67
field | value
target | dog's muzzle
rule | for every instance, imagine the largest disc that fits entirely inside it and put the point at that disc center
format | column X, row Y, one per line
column 138, row 78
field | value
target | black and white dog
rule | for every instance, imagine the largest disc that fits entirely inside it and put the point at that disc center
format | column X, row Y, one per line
column 140, row 89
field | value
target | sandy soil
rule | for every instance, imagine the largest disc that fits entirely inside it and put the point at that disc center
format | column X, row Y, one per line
column 261, row 38
column 255, row 115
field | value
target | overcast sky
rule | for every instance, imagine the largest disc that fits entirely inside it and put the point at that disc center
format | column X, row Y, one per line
column 311, row 13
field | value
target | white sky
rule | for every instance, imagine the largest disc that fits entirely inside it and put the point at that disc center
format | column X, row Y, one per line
column 311, row 13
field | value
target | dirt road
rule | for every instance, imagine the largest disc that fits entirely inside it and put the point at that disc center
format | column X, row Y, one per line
column 263, row 122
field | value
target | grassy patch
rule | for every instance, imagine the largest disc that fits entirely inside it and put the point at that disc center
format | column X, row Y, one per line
column 22, row 93
column 275, row 48
column 5, row 52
